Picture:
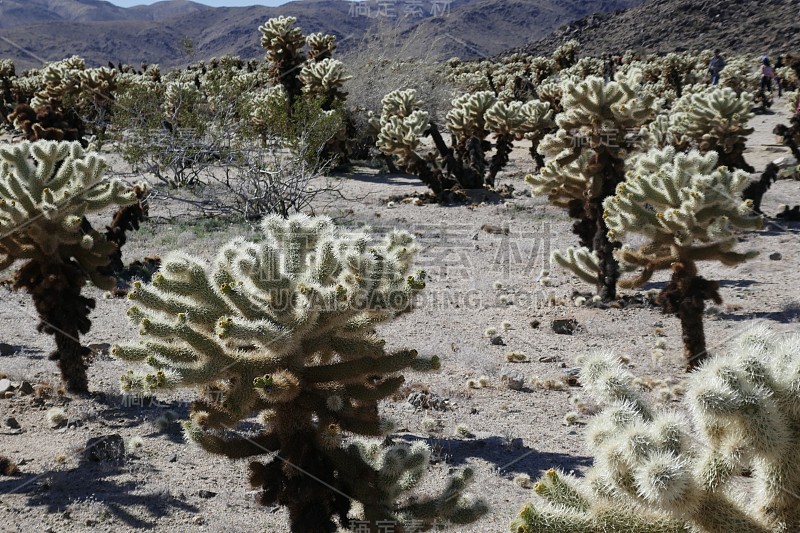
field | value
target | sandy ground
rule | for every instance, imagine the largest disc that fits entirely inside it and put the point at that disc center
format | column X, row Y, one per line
column 158, row 485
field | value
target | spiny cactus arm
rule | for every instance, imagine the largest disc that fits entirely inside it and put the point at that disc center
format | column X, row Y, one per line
column 400, row 103
column 580, row 261
column 233, row 448
column 374, row 391
column 467, row 117
column 717, row 252
column 358, row 367
column 604, row 377
column 551, row 519
column 321, row 46
column 560, row 488
column 562, row 182
column 567, row 505
column 323, row 76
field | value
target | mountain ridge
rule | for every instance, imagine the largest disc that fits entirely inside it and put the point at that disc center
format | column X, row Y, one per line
column 155, row 33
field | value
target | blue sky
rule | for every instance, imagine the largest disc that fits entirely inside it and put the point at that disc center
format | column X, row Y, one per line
column 216, row 3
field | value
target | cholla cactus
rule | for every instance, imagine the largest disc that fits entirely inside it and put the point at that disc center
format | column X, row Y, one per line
column 473, row 117
column 7, row 76
column 284, row 45
column 401, row 127
column 325, row 79
column 467, row 121
column 566, row 54
column 514, row 121
column 716, row 119
column 266, row 107
column 284, row 328
column 46, row 190
column 588, row 154
column 688, row 209
column 321, row 46
column 657, row 472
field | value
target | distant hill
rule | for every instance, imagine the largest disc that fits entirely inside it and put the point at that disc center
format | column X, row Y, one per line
column 746, row 26
column 100, row 31
column 15, row 13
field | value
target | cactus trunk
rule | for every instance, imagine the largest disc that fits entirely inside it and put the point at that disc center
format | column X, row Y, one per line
column 55, row 287
column 613, row 173
column 500, row 158
column 685, row 296
column 735, row 158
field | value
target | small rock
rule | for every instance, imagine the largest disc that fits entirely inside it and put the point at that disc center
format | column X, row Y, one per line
column 427, row 400
column 173, row 458
column 9, row 394
column 571, row 376
column 535, row 324
column 497, row 340
column 206, row 494
column 101, row 348
column 11, row 422
column 513, row 379
column 74, row 423
column 5, row 386
column 564, row 326
column 106, row 448
column 775, row 256
column 497, row 230
column 25, row 388
column 549, row 359
column 198, row 520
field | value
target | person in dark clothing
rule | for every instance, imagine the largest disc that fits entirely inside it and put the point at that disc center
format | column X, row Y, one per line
column 778, row 64
column 609, row 67
column 715, row 66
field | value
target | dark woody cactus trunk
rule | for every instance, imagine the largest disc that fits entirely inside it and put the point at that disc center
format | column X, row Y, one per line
column 55, row 287
column 685, row 296
column 610, row 173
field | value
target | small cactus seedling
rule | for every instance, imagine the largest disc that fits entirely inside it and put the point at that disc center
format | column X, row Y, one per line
column 688, row 209
column 284, row 328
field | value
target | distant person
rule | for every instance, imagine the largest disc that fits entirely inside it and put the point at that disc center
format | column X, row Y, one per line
column 715, row 66
column 609, row 67
column 767, row 74
column 778, row 65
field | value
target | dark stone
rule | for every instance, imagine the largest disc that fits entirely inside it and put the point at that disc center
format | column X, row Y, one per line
column 107, row 448
column 497, row 340
column 564, row 326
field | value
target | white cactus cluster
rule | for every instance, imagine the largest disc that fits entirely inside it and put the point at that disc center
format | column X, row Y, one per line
column 725, row 462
